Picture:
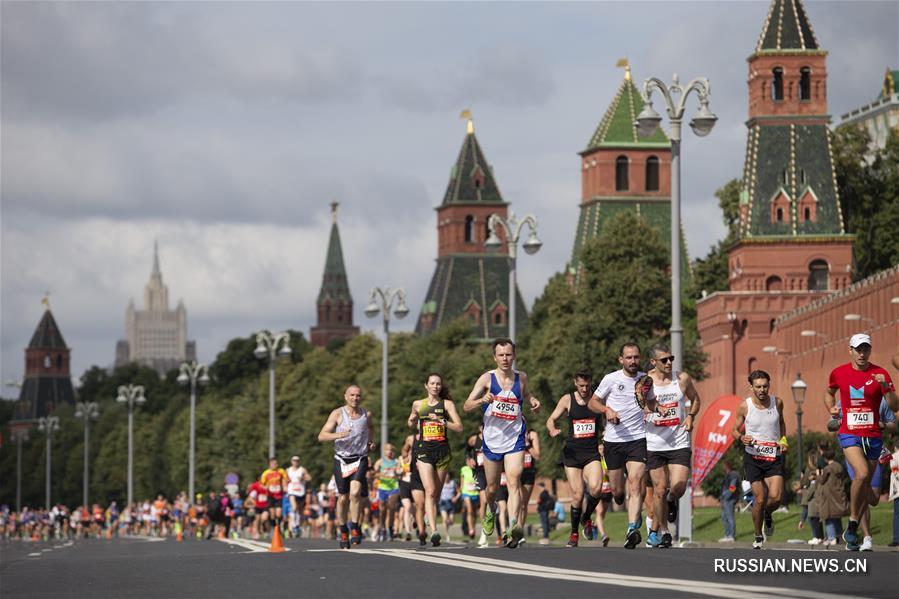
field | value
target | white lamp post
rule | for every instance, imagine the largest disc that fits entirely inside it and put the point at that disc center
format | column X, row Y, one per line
column 381, row 301
column 799, row 388
column 49, row 424
column 87, row 411
column 512, row 226
column 131, row 395
column 193, row 373
column 267, row 345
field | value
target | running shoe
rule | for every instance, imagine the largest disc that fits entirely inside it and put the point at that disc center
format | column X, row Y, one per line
column 344, row 540
column 522, row 541
column 488, row 525
column 653, row 539
column 815, row 541
column 850, row 535
column 515, row 535
column 572, row 540
column 867, row 544
column 589, row 530
column 633, row 537
column 422, row 539
column 482, row 541
column 666, row 541
column 408, row 536
column 759, row 542
column 605, row 540
column 672, row 510
column 769, row 525
column 435, row 539
column 356, row 537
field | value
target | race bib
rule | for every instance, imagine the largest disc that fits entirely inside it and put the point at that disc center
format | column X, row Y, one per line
column 296, row 487
column 348, row 469
column 274, row 489
column 433, row 430
column 763, row 450
column 480, row 459
column 502, row 479
column 668, row 415
column 471, row 487
column 858, row 419
column 506, row 410
column 584, row 428
column 262, row 498
column 528, row 460
column 606, row 487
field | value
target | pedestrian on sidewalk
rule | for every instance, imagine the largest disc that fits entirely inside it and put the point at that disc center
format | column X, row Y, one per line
column 545, row 504
column 833, row 501
column 728, row 498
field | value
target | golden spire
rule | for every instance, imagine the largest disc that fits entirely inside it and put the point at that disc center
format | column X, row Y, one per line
column 623, row 62
column 45, row 301
column 466, row 114
column 334, row 205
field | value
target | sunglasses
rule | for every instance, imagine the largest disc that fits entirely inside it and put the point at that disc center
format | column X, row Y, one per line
column 666, row 360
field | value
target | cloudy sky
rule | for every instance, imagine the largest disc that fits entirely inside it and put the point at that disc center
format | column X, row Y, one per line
column 224, row 130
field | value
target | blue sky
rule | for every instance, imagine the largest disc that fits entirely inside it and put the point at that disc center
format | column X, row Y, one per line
column 224, row 131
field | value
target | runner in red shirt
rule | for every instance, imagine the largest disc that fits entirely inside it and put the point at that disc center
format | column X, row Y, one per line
column 257, row 498
column 862, row 385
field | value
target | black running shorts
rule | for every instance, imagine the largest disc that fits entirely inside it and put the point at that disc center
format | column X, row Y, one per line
column 343, row 482
column 755, row 470
column 618, row 454
column 574, row 458
column 660, row 459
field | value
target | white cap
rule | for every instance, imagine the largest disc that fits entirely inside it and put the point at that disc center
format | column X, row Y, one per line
column 859, row 339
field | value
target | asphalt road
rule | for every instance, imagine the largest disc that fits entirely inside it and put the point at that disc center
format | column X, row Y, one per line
column 137, row 568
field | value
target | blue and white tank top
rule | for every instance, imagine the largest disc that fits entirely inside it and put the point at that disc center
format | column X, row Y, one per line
column 504, row 425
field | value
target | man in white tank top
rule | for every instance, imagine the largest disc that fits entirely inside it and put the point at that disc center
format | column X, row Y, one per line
column 765, row 442
column 350, row 428
column 668, row 440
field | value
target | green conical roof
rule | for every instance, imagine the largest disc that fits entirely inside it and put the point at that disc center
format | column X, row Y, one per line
column 47, row 335
column 334, row 280
column 471, row 178
column 787, row 28
column 617, row 129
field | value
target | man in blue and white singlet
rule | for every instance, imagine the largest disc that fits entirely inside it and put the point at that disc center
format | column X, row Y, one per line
column 500, row 394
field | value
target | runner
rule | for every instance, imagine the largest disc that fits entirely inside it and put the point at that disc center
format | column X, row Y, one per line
column 274, row 479
column 580, row 456
column 432, row 416
column 406, row 507
column 605, row 500
column 449, row 495
column 528, row 474
column 470, row 498
column 862, row 386
column 625, row 435
column 474, row 446
column 668, row 440
column 387, row 469
column 297, row 477
column 765, row 440
column 350, row 428
column 418, row 492
column 500, row 394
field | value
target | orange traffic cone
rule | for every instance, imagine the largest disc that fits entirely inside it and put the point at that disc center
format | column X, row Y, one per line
column 221, row 533
column 277, row 544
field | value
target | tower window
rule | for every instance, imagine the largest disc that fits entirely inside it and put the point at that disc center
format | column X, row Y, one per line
column 805, row 83
column 621, row 180
column 773, row 283
column 777, row 85
column 469, row 228
column 652, row 173
column 817, row 276
column 807, row 213
column 48, row 361
column 780, row 215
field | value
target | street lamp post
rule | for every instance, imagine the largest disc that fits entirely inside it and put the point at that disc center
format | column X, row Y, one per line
column 512, row 226
column 21, row 435
column 675, row 97
column 798, row 388
column 48, row 424
column 131, row 394
column 381, row 300
column 267, row 345
column 193, row 373
column 87, row 411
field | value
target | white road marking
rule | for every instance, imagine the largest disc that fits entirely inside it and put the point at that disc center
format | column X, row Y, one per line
column 253, row 546
column 498, row 566
column 144, row 538
column 34, row 554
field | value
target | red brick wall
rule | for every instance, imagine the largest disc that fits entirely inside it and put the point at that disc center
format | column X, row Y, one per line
column 598, row 172
column 760, row 80
column 451, row 228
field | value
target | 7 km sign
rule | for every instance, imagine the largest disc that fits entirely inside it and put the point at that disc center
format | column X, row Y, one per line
column 712, row 436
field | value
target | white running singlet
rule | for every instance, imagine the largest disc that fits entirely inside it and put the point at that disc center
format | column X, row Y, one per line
column 296, row 481
column 356, row 445
column 764, row 428
column 617, row 389
column 665, row 430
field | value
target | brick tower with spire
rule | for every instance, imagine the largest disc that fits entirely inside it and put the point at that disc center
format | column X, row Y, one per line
column 792, row 246
column 48, row 382
column 622, row 171
column 334, row 304
column 469, row 280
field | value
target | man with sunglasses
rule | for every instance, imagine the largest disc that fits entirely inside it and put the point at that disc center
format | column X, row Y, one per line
column 862, row 385
column 668, row 440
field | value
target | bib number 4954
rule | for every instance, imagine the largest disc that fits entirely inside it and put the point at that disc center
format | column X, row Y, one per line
column 506, row 410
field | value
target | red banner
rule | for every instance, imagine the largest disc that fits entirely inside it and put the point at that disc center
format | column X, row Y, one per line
column 712, row 436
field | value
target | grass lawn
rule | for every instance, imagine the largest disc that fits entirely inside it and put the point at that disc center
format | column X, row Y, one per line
column 707, row 526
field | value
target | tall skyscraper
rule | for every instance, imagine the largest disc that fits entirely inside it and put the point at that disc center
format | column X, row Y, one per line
column 156, row 336
column 334, row 304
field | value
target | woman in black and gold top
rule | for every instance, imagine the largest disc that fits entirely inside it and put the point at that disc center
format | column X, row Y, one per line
column 433, row 415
